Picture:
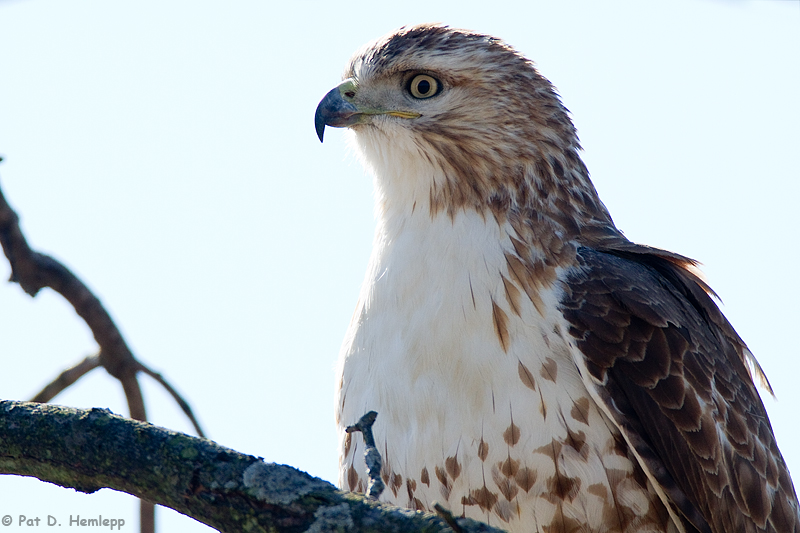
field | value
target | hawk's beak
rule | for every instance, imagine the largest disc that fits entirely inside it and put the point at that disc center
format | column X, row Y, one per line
column 338, row 110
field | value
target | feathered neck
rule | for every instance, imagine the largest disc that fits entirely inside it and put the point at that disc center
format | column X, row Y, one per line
column 548, row 195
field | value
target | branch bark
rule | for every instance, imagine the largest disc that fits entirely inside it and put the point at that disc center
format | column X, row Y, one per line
column 92, row 449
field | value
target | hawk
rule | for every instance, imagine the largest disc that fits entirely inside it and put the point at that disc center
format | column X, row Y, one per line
column 531, row 366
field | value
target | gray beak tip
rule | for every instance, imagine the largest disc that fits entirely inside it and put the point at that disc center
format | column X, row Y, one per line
column 319, row 124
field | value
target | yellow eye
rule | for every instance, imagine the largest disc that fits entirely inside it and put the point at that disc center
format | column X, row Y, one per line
column 423, row 86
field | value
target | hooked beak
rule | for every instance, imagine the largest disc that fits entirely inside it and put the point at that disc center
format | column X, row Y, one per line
column 338, row 110
column 335, row 110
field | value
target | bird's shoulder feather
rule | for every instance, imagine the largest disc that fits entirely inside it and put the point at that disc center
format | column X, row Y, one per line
column 672, row 374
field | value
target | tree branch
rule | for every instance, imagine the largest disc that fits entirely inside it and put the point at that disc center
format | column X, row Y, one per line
column 34, row 271
column 184, row 405
column 67, row 378
column 92, row 449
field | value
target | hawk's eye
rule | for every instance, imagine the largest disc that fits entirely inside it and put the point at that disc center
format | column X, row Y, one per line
column 423, row 86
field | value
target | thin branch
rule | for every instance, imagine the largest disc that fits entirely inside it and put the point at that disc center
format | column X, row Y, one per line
column 67, row 378
column 35, row 271
column 89, row 449
column 187, row 410
column 372, row 457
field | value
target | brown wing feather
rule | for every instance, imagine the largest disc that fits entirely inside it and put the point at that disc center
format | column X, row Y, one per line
column 674, row 376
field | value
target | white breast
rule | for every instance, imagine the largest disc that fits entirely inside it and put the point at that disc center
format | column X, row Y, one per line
column 504, row 433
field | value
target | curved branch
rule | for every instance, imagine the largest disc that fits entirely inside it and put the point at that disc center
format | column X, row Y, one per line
column 34, row 271
column 184, row 405
column 67, row 378
column 92, row 449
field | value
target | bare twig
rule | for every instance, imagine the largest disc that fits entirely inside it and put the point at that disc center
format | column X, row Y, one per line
column 71, row 375
column 372, row 457
column 67, row 378
column 34, row 271
column 187, row 410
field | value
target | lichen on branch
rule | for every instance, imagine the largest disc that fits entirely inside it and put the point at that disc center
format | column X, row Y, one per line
column 89, row 449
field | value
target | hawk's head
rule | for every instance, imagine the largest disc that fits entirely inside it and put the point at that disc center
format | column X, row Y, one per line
column 455, row 120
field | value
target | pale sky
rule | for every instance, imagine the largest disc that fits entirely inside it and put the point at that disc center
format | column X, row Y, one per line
column 165, row 151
